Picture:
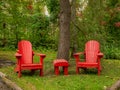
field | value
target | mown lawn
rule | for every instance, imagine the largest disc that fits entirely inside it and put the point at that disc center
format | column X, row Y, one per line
column 88, row 80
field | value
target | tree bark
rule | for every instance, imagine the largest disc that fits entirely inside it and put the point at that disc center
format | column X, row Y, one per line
column 64, row 38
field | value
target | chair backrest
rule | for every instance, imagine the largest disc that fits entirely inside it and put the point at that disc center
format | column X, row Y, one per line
column 92, row 48
column 25, row 48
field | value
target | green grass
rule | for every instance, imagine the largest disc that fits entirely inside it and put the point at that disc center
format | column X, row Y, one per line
column 85, row 81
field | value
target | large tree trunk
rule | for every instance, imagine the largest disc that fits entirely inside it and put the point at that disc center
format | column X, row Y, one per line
column 64, row 38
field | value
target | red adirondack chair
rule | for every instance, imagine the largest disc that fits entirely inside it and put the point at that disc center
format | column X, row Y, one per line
column 92, row 56
column 24, row 57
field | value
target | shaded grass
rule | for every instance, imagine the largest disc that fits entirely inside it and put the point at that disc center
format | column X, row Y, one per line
column 88, row 80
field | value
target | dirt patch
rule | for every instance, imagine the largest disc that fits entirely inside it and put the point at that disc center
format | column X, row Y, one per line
column 4, row 63
column 115, row 86
column 3, row 86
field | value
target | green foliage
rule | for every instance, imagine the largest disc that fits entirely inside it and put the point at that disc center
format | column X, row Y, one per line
column 13, row 22
column 24, row 20
column 53, row 8
column 99, row 21
column 39, row 29
column 112, row 3
column 112, row 52
column 112, row 17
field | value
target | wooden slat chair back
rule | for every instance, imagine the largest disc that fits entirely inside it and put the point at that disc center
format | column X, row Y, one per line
column 25, row 48
column 92, row 48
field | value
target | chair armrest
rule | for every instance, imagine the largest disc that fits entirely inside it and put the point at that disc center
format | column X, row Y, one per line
column 76, row 56
column 100, row 55
column 42, row 56
column 17, row 55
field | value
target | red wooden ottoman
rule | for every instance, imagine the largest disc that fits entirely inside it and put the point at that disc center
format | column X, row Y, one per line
column 60, row 63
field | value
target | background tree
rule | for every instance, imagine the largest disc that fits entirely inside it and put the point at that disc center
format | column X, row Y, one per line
column 64, row 38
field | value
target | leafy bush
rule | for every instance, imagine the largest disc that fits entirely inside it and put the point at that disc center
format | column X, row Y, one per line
column 112, row 52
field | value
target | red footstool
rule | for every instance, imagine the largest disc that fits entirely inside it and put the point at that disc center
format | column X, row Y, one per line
column 60, row 63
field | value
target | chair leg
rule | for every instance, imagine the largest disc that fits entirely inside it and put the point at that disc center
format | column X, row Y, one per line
column 41, row 72
column 65, row 70
column 77, row 70
column 99, row 69
column 19, row 73
column 56, row 70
